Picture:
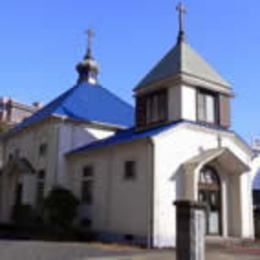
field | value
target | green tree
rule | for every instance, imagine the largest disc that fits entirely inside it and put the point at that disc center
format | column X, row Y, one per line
column 3, row 127
column 60, row 208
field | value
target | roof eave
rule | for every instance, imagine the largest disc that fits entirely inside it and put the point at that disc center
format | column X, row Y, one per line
column 187, row 79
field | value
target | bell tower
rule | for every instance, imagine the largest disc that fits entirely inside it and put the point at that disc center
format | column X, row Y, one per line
column 182, row 86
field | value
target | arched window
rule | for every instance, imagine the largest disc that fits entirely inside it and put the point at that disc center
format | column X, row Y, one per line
column 209, row 179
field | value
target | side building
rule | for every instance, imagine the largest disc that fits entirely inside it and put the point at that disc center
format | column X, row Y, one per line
column 13, row 112
column 33, row 151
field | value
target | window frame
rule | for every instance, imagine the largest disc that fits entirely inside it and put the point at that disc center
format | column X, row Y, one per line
column 154, row 113
column 152, row 108
column 215, row 97
column 43, row 149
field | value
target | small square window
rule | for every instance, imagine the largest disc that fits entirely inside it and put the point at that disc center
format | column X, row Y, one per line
column 86, row 222
column 10, row 157
column 129, row 237
column 130, row 170
column 87, row 185
column 41, row 174
column 88, row 171
column 43, row 149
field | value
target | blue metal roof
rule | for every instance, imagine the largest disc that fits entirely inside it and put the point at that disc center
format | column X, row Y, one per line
column 124, row 136
column 132, row 134
column 85, row 102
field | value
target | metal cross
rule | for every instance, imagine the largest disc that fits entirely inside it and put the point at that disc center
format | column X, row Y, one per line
column 90, row 34
column 182, row 11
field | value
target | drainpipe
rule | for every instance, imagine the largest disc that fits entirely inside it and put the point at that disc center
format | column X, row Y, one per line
column 151, row 196
column 56, row 170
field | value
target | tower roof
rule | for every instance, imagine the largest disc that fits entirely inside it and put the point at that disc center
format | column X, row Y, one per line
column 182, row 59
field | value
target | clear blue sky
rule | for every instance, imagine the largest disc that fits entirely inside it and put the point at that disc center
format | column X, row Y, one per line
column 42, row 41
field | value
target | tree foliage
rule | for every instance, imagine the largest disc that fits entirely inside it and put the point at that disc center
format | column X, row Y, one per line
column 60, row 208
column 3, row 127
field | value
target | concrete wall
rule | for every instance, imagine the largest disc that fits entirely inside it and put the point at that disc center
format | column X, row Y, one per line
column 175, row 147
column 27, row 143
column 120, row 206
column 182, row 103
column 60, row 137
column 73, row 136
column 188, row 103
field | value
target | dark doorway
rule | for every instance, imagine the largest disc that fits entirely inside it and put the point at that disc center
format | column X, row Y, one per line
column 210, row 195
column 18, row 194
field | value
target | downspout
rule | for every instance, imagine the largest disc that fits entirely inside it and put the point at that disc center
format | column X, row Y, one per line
column 56, row 169
column 151, row 196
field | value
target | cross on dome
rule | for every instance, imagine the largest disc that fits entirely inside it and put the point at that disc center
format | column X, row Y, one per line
column 182, row 11
column 90, row 35
column 88, row 69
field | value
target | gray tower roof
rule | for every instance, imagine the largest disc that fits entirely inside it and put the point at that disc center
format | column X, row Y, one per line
column 182, row 59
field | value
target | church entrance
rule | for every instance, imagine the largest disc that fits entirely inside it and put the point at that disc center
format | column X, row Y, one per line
column 210, row 195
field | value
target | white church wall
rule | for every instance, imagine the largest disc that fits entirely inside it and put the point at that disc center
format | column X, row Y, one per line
column 247, row 228
column 172, row 149
column 256, row 170
column 188, row 103
column 245, row 183
column 225, row 221
column 100, row 164
column 120, row 207
column 59, row 137
column 100, row 133
column 72, row 136
column 182, row 103
column 26, row 144
column 29, row 187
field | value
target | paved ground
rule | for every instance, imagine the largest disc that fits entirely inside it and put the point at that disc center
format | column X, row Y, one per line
column 29, row 250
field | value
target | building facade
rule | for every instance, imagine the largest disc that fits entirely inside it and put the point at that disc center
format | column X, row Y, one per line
column 13, row 112
column 128, row 171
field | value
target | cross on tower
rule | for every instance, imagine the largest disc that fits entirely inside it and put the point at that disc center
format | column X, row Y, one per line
column 90, row 34
column 182, row 11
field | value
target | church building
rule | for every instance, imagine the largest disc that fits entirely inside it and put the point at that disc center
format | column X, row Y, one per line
column 129, row 165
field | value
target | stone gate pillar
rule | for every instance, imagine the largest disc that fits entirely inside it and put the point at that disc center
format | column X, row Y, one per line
column 190, row 226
